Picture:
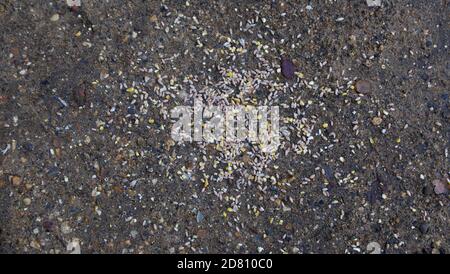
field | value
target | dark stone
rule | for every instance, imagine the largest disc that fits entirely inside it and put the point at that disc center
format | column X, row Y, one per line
column 163, row 9
column 53, row 171
column 28, row 147
column 45, row 82
column 426, row 250
column 287, row 68
column 425, row 77
column 427, row 190
column 131, row 110
column 424, row 228
column 376, row 227
column 79, row 96
column 328, row 173
column 48, row 225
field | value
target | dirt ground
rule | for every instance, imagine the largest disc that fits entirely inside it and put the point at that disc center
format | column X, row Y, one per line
column 87, row 163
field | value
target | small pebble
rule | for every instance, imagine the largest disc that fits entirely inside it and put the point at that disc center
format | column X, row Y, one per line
column 15, row 180
column 27, row 201
column 373, row 248
column 79, row 96
column 424, row 228
column 73, row 247
column 65, row 228
column 374, row 3
column 427, row 190
column 200, row 217
column 73, row 3
column 48, row 225
column 435, row 251
column 55, row 17
column 35, row 244
column 363, row 86
column 287, row 68
column 133, row 233
column 440, row 187
column 376, row 121
column 153, row 18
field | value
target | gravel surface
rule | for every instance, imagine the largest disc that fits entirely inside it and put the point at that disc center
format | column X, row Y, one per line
column 88, row 165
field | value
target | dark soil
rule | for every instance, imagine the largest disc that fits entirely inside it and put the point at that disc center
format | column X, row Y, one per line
column 86, row 153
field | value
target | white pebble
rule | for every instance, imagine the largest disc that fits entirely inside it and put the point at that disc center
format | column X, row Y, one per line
column 55, row 17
